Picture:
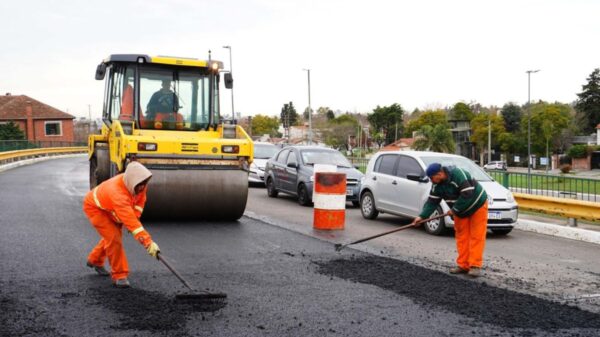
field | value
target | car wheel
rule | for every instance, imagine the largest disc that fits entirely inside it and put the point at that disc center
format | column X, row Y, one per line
column 303, row 198
column 437, row 226
column 356, row 203
column 501, row 231
column 271, row 190
column 367, row 206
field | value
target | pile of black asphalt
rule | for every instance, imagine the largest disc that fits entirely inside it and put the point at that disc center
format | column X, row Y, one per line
column 460, row 295
column 136, row 309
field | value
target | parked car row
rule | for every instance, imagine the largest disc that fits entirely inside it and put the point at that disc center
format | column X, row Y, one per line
column 291, row 171
column 395, row 182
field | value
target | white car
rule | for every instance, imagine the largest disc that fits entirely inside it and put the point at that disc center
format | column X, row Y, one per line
column 395, row 183
column 495, row 165
column 262, row 153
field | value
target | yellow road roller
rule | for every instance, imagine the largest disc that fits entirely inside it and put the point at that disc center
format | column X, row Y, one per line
column 164, row 113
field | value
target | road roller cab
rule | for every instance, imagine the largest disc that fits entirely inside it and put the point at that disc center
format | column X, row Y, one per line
column 164, row 113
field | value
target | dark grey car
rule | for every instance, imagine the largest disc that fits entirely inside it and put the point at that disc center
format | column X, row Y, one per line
column 291, row 171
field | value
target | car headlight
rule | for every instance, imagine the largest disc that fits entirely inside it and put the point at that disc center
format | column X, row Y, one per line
column 262, row 168
column 510, row 197
column 253, row 166
column 312, row 178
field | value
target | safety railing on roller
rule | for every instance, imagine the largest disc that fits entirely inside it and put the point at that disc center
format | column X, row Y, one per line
column 555, row 186
column 7, row 157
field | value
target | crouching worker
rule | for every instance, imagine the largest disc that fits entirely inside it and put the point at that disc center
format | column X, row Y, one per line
column 468, row 204
column 116, row 202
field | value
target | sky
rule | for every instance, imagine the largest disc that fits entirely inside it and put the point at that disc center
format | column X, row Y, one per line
column 421, row 54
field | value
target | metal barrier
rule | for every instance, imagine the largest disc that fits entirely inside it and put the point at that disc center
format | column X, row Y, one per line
column 556, row 186
column 572, row 209
column 360, row 163
column 12, row 156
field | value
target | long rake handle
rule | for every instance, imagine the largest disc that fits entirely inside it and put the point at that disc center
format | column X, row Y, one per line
column 390, row 232
column 168, row 265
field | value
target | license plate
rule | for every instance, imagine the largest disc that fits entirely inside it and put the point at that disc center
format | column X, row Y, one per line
column 495, row 215
column 349, row 191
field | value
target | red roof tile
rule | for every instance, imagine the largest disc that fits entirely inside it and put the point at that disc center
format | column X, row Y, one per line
column 13, row 107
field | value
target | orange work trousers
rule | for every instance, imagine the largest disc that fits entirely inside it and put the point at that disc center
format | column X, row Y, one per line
column 470, row 235
column 111, row 242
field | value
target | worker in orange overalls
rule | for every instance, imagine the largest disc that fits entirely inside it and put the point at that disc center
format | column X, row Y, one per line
column 468, row 204
column 116, row 202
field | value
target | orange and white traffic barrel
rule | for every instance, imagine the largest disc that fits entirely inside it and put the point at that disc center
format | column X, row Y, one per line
column 329, row 198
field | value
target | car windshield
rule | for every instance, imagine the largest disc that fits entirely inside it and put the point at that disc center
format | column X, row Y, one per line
column 264, row 151
column 462, row 162
column 310, row 157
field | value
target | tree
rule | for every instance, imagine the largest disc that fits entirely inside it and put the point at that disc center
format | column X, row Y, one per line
column 10, row 131
column 511, row 113
column 305, row 113
column 547, row 123
column 387, row 119
column 588, row 104
column 288, row 116
column 339, row 131
column 430, row 117
column 461, row 111
column 262, row 125
column 480, row 125
column 436, row 138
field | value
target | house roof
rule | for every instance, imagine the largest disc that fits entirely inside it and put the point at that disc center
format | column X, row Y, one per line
column 14, row 107
column 399, row 144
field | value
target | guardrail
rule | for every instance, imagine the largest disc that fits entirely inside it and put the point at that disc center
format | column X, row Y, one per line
column 572, row 209
column 12, row 156
column 556, row 186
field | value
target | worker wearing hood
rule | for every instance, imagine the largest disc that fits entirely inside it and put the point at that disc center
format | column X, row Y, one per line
column 115, row 203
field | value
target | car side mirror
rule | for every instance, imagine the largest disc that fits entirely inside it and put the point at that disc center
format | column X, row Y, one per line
column 417, row 178
column 292, row 165
column 356, row 167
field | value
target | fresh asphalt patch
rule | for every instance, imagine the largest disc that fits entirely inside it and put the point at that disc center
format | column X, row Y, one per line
column 460, row 295
column 142, row 310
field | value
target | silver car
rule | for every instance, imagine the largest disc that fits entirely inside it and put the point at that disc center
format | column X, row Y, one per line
column 395, row 183
column 262, row 153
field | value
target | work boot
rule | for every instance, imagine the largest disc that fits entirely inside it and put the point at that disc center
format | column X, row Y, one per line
column 99, row 269
column 474, row 272
column 458, row 270
column 121, row 283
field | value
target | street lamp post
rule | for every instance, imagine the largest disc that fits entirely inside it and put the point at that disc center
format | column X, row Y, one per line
column 231, row 72
column 529, row 72
column 309, row 111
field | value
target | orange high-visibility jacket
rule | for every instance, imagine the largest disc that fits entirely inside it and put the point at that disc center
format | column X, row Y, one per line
column 114, row 197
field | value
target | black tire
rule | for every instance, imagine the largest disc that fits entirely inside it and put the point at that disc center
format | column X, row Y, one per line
column 93, row 176
column 303, row 198
column 367, row 206
column 503, row 231
column 437, row 226
column 356, row 203
column 271, row 190
column 99, row 167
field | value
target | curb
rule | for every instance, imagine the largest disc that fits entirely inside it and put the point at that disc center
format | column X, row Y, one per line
column 20, row 163
column 578, row 234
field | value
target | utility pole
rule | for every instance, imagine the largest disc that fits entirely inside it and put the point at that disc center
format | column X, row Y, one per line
column 489, row 138
column 529, row 72
column 309, row 111
column 231, row 72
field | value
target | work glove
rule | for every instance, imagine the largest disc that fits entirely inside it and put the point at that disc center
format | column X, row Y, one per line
column 153, row 249
column 416, row 222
